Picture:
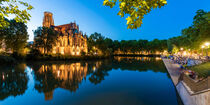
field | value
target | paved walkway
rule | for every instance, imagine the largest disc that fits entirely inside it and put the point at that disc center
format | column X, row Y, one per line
column 173, row 69
column 187, row 99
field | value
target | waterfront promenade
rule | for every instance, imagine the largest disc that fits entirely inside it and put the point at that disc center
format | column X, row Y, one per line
column 173, row 69
column 185, row 91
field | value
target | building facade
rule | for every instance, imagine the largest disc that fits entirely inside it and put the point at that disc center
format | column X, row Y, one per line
column 71, row 41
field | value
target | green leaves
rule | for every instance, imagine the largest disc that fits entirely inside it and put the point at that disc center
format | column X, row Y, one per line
column 195, row 35
column 11, row 7
column 45, row 38
column 108, row 46
column 15, row 36
column 135, row 9
column 110, row 3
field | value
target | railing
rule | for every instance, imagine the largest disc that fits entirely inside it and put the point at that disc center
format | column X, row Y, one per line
column 198, row 86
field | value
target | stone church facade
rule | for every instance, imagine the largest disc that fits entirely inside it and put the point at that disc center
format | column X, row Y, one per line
column 71, row 41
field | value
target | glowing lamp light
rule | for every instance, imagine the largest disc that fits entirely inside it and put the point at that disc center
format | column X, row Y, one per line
column 207, row 43
column 181, row 48
column 62, row 52
column 185, row 53
column 58, row 73
column 73, row 53
column 54, row 51
column 78, row 53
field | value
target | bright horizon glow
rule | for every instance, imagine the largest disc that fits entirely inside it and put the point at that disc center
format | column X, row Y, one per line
column 92, row 16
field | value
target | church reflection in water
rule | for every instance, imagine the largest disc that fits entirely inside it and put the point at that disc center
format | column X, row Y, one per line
column 66, row 76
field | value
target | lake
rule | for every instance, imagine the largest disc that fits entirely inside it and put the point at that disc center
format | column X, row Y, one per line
column 117, row 81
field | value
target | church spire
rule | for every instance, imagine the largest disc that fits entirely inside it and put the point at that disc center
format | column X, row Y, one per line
column 48, row 20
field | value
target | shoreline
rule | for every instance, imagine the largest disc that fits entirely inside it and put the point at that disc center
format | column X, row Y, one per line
column 185, row 90
column 11, row 60
column 137, row 55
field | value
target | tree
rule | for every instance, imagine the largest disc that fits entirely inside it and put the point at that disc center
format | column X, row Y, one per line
column 116, row 45
column 135, row 9
column 15, row 36
column 97, row 40
column 196, row 34
column 45, row 38
column 142, row 45
column 94, row 40
column 11, row 7
column 2, row 36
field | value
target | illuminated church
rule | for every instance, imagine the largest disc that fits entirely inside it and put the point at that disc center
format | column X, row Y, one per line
column 71, row 41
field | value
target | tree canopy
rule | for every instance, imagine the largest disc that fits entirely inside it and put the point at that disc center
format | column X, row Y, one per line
column 195, row 35
column 15, row 36
column 135, row 9
column 45, row 38
column 12, row 7
column 108, row 46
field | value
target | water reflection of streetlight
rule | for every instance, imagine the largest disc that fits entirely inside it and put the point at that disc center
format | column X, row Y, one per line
column 94, row 68
column 3, row 77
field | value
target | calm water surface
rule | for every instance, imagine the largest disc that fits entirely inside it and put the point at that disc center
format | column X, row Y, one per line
column 121, row 81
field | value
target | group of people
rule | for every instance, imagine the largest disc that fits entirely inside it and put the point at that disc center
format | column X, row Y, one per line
column 180, row 60
column 184, row 61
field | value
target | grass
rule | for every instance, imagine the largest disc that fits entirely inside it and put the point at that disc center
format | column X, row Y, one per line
column 203, row 69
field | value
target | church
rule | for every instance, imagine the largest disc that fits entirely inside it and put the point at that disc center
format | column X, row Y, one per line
column 71, row 40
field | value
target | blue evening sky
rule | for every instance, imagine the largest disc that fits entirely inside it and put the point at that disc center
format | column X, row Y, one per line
column 92, row 16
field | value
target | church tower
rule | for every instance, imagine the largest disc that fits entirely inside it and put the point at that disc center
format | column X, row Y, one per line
column 48, row 20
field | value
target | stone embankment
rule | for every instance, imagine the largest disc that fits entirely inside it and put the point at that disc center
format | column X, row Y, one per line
column 190, row 91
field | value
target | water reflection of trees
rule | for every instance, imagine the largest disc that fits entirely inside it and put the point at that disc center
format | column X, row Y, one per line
column 139, row 64
column 13, row 81
column 52, row 75
column 127, row 63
